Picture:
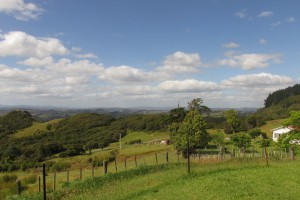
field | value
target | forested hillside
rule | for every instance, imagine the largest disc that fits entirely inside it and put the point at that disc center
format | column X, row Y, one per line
column 13, row 121
column 280, row 95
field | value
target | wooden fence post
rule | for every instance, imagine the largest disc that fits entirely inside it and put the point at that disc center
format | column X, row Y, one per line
column 93, row 171
column 68, row 176
column 156, row 158
column 116, row 166
column 135, row 161
column 39, row 183
column 167, row 157
column 80, row 173
column 144, row 160
column 54, row 181
column 19, row 187
column 44, row 182
column 105, row 167
column 267, row 158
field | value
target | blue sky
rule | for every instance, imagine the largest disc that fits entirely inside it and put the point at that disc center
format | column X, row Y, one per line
column 127, row 53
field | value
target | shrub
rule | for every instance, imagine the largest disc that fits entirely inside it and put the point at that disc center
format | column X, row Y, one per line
column 9, row 178
column 137, row 141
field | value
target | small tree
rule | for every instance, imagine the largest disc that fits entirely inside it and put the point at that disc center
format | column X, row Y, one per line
column 197, row 104
column 192, row 130
column 242, row 141
column 232, row 119
column 219, row 140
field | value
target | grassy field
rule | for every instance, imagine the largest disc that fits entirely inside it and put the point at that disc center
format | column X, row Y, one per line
column 238, row 179
column 36, row 128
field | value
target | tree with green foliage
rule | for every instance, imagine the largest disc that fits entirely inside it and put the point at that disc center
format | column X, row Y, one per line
column 219, row 140
column 293, row 120
column 242, row 141
column 232, row 120
column 192, row 130
column 197, row 104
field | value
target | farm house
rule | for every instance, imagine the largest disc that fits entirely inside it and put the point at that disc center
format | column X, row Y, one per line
column 277, row 132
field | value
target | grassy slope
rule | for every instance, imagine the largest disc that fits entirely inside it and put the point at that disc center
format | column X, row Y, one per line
column 228, row 180
column 271, row 125
column 36, row 128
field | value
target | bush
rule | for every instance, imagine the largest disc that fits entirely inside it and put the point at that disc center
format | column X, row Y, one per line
column 9, row 178
column 137, row 141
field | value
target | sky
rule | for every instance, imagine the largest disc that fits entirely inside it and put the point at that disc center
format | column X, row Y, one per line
column 149, row 53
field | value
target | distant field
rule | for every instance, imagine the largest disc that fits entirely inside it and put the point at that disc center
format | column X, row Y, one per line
column 223, row 180
column 271, row 125
column 36, row 128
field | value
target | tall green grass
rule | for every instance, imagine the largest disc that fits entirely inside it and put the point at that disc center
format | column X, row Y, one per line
column 235, row 179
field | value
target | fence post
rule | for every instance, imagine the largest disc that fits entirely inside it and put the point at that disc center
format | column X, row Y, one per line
column 19, row 188
column 156, row 158
column 267, row 159
column 105, row 167
column 44, row 182
column 54, row 180
column 167, row 157
column 116, row 166
column 93, row 171
column 144, row 160
column 177, row 156
column 80, row 173
column 68, row 176
column 39, row 183
column 135, row 161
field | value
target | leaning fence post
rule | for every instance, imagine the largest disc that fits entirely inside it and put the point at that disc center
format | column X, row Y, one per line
column 19, row 188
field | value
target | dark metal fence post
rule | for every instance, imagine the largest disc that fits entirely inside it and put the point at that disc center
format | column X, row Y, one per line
column 44, row 181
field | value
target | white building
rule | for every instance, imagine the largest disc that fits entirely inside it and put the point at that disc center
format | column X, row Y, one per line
column 277, row 132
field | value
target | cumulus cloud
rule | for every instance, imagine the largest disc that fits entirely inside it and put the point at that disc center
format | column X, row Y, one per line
column 125, row 74
column 265, row 14
column 188, row 86
column 37, row 62
column 87, row 55
column 231, row 45
column 19, row 43
column 242, row 13
column 251, row 61
column 20, row 10
column 290, row 19
column 181, row 62
column 257, row 80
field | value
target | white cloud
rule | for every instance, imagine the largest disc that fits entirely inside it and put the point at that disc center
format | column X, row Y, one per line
column 262, row 41
column 275, row 24
column 181, row 62
column 18, row 43
column 257, row 80
column 37, row 62
column 251, row 61
column 188, row 86
column 265, row 14
column 290, row 19
column 20, row 10
column 242, row 13
column 231, row 45
column 88, row 55
column 125, row 74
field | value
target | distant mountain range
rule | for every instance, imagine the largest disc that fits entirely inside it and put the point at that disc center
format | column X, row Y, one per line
column 46, row 113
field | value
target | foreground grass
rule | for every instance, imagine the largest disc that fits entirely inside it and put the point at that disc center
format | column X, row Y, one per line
column 224, row 180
